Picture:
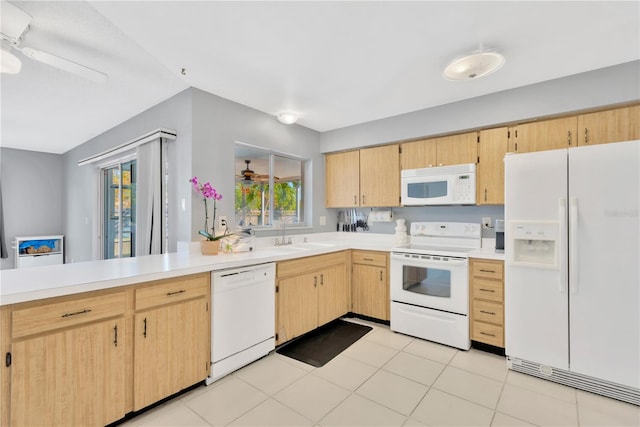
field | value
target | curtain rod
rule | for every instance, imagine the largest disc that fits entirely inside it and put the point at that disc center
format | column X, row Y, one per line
column 158, row 133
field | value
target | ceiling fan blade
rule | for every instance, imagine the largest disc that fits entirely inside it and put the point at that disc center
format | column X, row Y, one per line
column 64, row 64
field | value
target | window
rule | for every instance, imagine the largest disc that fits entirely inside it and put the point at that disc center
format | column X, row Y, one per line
column 119, row 210
column 269, row 188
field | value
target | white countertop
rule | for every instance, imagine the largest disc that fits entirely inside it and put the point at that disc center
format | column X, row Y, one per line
column 28, row 284
column 487, row 251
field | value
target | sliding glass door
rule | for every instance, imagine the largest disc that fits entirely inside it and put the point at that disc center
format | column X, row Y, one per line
column 119, row 214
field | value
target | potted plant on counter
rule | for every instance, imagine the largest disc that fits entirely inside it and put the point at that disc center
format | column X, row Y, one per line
column 211, row 244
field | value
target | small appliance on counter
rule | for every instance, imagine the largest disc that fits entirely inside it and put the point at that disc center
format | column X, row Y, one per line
column 499, row 228
column 243, row 240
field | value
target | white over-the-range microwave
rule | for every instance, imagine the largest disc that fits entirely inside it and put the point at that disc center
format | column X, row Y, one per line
column 442, row 185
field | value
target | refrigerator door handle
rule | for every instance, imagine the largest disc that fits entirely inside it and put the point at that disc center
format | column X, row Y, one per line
column 562, row 211
column 573, row 245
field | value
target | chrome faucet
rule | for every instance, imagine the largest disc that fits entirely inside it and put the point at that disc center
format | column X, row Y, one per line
column 283, row 241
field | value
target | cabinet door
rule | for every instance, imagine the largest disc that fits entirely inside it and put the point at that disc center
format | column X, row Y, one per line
column 297, row 306
column 370, row 291
column 418, row 154
column 457, row 149
column 544, row 135
column 342, row 179
column 380, row 176
column 620, row 124
column 74, row 377
column 490, row 173
column 333, row 297
column 171, row 350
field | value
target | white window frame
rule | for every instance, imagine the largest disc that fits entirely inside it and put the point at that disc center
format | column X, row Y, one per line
column 306, row 167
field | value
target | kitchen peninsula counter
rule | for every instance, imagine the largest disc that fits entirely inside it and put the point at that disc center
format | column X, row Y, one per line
column 30, row 284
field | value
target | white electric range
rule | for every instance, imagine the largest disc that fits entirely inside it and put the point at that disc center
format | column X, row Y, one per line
column 429, row 281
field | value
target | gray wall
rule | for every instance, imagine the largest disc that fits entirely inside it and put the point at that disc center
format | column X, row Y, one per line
column 218, row 123
column 32, row 195
column 81, row 221
column 606, row 86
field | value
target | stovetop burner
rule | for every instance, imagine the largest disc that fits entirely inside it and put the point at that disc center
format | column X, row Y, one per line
column 442, row 238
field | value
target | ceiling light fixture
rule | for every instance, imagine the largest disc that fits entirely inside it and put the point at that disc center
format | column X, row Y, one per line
column 9, row 63
column 478, row 64
column 287, row 117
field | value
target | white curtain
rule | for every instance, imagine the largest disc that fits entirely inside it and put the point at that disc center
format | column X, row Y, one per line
column 150, row 221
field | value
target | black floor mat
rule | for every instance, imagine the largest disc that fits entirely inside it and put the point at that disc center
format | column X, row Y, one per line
column 323, row 344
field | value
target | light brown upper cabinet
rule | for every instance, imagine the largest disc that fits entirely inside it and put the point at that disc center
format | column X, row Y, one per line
column 544, row 135
column 492, row 148
column 367, row 177
column 380, row 176
column 443, row 151
column 342, row 179
column 620, row 124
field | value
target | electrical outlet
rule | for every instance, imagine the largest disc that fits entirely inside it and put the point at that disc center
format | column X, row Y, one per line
column 222, row 222
column 486, row 222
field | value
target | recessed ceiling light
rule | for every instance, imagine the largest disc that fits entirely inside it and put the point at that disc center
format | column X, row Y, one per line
column 473, row 66
column 287, row 117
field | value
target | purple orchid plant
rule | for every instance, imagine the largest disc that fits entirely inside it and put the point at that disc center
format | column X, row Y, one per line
column 206, row 191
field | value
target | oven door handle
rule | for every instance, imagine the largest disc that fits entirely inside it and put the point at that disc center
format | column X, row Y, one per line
column 425, row 262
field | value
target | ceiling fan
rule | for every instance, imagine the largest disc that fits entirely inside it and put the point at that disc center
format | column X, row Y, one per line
column 14, row 25
column 248, row 177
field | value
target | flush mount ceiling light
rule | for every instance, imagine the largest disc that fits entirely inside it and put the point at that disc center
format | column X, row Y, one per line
column 9, row 63
column 473, row 66
column 287, row 117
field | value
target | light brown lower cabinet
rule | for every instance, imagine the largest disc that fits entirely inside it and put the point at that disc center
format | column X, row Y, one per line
column 70, row 378
column 486, row 280
column 87, row 360
column 171, row 343
column 310, row 292
column 370, row 284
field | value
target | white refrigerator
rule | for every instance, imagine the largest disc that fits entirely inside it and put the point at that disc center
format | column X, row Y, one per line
column 572, row 270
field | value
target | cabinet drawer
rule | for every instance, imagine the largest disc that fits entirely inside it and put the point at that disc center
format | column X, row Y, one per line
column 171, row 290
column 378, row 259
column 51, row 316
column 490, row 312
column 309, row 264
column 487, row 269
column 488, row 334
column 487, row 289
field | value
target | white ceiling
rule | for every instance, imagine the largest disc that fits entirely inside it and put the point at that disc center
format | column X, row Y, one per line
column 335, row 63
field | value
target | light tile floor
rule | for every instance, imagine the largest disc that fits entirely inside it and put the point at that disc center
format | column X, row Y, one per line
column 388, row 379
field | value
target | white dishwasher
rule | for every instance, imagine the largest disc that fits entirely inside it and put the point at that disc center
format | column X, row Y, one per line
column 242, row 317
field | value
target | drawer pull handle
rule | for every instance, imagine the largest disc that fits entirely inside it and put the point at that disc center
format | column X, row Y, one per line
column 86, row 310
column 181, row 291
column 368, row 259
column 115, row 336
column 487, row 271
column 487, row 290
column 488, row 312
column 489, row 335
